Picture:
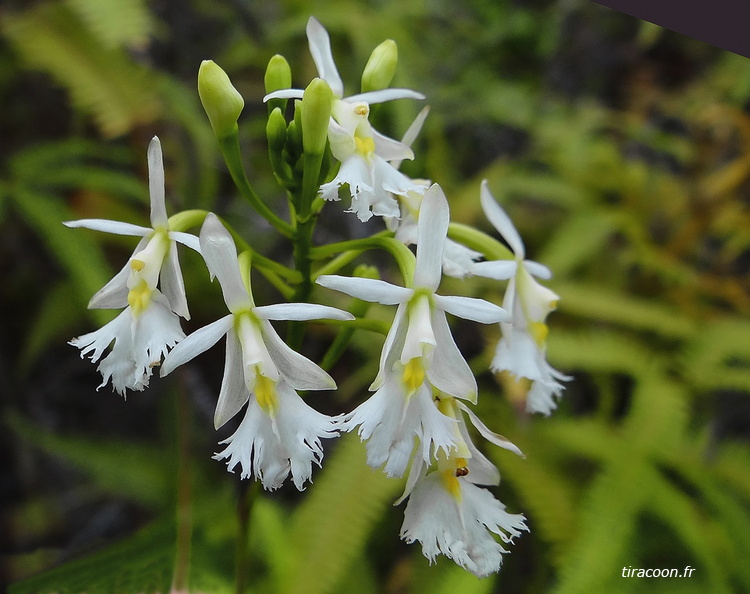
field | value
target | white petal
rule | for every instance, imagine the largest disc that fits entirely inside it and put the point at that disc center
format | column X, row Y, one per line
column 186, row 239
column 390, row 422
column 114, row 294
column 116, row 227
column 449, row 372
column 301, row 312
column 296, row 369
column 383, row 95
column 417, row 471
column 420, row 338
column 367, row 289
column 320, row 49
column 220, row 254
column 199, row 341
column 501, row 221
column 489, row 435
column 390, row 149
column 269, row 451
column 538, row 270
column 156, row 184
column 471, row 308
column 172, row 284
column 416, row 127
column 496, row 269
column 459, row 528
column 481, row 470
column 394, row 342
column 285, row 94
column 233, row 394
column 342, row 142
column 458, row 259
column 434, row 217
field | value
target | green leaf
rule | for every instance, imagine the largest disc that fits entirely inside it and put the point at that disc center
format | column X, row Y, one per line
column 81, row 257
column 141, row 563
column 137, row 471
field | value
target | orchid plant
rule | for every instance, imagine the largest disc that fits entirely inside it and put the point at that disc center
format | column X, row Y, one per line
column 414, row 422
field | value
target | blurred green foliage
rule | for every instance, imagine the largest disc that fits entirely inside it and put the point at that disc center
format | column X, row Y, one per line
column 622, row 152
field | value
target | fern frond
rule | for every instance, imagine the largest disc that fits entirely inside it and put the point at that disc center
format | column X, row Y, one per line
column 325, row 543
column 102, row 81
column 115, row 22
column 597, row 303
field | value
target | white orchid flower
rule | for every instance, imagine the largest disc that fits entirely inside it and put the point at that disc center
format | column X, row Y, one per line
column 457, row 258
column 320, row 48
column 363, row 152
column 279, row 433
column 448, row 512
column 419, row 349
column 147, row 327
column 522, row 348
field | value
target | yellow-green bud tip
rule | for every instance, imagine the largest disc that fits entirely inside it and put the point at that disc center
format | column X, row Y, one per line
column 222, row 102
column 316, row 113
column 278, row 74
column 381, row 67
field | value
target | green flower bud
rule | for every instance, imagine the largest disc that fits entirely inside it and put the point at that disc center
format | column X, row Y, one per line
column 276, row 131
column 381, row 67
column 316, row 113
column 278, row 74
column 221, row 101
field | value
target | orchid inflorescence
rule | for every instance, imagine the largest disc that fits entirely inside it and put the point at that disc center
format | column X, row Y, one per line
column 415, row 421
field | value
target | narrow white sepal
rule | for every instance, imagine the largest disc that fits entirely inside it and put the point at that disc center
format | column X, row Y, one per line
column 487, row 433
column 116, row 227
column 284, row 94
column 156, row 184
column 383, row 95
column 172, row 283
column 301, row 312
column 495, row 269
column 432, row 227
column 320, row 49
column 233, row 393
column 501, row 221
column 187, row 239
column 198, row 342
column 367, row 289
column 538, row 270
column 471, row 308
column 220, row 254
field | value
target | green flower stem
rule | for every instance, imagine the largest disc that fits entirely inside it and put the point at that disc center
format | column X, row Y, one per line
column 359, row 309
column 479, row 241
column 338, row 262
column 187, row 219
column 230, row 148
column 303, row 265
column 276, row 274
column 310, row 184
column 402, row 254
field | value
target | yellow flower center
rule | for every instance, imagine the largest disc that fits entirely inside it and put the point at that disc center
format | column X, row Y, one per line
column 139, row 297
column 365, row 146
column 413, row 375
column 450, row 481
column 265, row 394
column 539, row 331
